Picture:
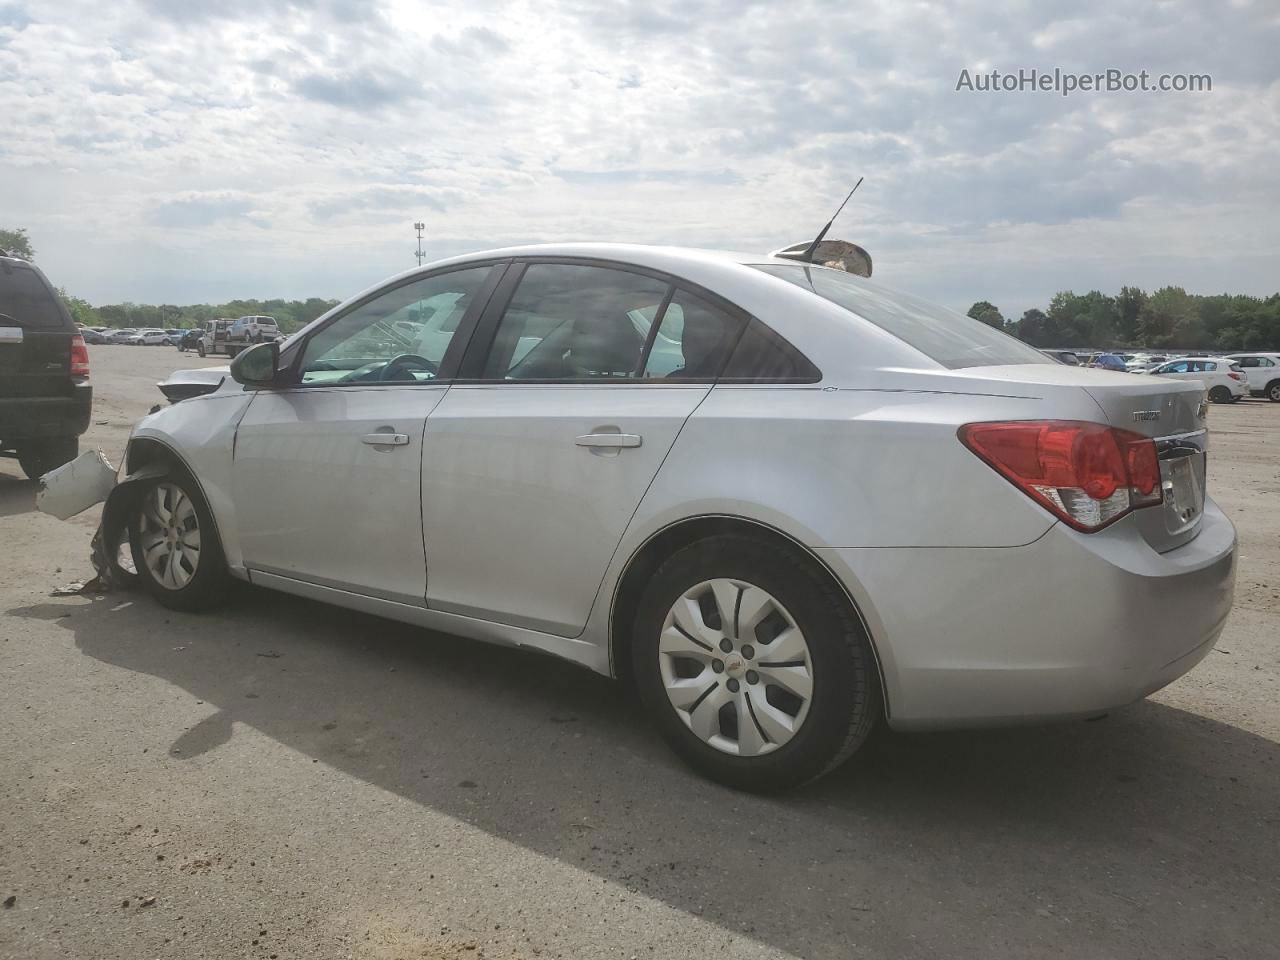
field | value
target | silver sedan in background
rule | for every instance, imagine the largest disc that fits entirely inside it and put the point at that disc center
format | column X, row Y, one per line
column 782, row 501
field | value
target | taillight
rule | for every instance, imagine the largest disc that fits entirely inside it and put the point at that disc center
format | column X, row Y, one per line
column 79, row 358
column 1087, row 474
column 1235, row 376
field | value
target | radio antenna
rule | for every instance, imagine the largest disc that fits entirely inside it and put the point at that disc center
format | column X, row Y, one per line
column 808, row 253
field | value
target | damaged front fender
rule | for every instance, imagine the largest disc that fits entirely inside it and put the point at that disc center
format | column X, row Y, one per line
column 90, row 479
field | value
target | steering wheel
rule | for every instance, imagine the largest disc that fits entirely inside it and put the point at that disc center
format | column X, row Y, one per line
column 409, row 361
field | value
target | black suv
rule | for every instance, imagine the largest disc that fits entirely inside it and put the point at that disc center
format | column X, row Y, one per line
column 45, row 397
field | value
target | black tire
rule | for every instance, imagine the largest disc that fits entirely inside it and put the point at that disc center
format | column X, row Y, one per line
column 1273, row 391
column 200, row 347
column 845, row 702
column 209, row 582
column 38, row 457
column 1219, row 395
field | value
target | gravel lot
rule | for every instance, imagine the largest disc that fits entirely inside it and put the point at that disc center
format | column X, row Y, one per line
column 287, row 779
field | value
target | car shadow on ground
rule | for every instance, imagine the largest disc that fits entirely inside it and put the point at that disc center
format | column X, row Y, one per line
column 1163, row 825
column 17, row 494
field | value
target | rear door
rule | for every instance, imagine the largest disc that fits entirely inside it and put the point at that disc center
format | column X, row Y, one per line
column 535, row 461
column 35, row 334
column 327, row 473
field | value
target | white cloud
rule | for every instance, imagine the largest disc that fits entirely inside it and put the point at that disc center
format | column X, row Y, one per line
column 187, row 151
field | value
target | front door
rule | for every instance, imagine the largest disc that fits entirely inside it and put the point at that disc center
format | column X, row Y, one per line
column 534, row 467
column 327, row 472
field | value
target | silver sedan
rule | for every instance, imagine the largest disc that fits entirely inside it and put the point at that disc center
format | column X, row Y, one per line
column 782, row 501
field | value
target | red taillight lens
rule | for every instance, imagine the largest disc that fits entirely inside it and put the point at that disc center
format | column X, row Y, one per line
column 1087, row 474
column 79, row 358
column 1235, row 376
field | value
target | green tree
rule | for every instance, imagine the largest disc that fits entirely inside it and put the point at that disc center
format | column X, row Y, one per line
column 17, row 243
column 1090, row 319
column 1129, row 305
column 81, row 311
column 1169, row 318
column 988, row 313
column 1035, row 329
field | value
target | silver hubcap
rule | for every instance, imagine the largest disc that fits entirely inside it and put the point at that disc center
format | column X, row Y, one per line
column 736, row 667
column 170, row 536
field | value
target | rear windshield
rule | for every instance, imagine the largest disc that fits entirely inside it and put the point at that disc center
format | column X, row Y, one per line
column 950, row 338
column 26, row 298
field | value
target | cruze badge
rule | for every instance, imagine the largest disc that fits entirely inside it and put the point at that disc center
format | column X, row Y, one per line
column 1146, row 415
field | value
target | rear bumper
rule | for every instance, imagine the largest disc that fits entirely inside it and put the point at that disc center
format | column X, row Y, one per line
column 1070, row 626
column 40, row 418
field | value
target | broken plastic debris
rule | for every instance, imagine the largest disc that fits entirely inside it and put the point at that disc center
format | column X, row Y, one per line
column 76, row 486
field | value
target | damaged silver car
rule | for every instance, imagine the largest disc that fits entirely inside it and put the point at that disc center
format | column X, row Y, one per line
column 782, row 500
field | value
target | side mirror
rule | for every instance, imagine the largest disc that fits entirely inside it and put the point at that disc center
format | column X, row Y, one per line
column 256, row 367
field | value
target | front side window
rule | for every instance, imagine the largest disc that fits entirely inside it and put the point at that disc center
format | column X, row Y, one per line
column 951, row 339
column 397, row 337
column 1183, row 367
column 574, row 322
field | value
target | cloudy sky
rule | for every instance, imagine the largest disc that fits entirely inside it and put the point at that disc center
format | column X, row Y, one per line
column 198, row 150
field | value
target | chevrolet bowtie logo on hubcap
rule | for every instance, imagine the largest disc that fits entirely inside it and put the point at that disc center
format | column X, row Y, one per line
column 734, row 666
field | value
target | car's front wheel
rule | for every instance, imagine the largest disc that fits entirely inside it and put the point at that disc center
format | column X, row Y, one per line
column 753, row 665
column 1273, row 391
column 175, row 546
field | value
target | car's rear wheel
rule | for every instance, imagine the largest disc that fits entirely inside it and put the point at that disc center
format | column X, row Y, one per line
column 200, row 348
column 38, row 457
column 1220, row 395
column 753, row 665
column 175, row 546
column 1273, row 391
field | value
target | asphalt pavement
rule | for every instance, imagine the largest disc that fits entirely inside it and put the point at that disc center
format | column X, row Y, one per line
column 285, row 779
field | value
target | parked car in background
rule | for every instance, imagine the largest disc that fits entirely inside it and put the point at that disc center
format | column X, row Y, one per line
column 45, row 397
column 1222, row 379
column 189, row 339
column 92, row 336
column 121, row 334
column 149, row 338
column 1143, row 362
column 254, row 329
column 1262, row 373
column 731, row 524
column 174, row 334
column 1110, row 361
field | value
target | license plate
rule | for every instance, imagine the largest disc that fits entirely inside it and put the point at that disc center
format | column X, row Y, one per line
column 1183, row 493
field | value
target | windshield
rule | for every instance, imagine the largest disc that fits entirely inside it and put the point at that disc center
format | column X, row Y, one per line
column 950, row 338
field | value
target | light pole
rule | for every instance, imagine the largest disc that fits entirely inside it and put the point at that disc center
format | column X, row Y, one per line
column 420, row 226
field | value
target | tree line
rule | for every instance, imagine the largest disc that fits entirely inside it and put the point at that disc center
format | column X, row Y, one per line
column 1168, row 318
column 289, row 314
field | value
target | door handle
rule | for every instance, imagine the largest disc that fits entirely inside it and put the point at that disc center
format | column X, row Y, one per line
column 608, row 440
column 385, row 439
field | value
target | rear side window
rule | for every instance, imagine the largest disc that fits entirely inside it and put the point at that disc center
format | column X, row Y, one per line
column 693, row 341
column 949, row 338
column 764, row 357
column 28, row 299
column 574, row 322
